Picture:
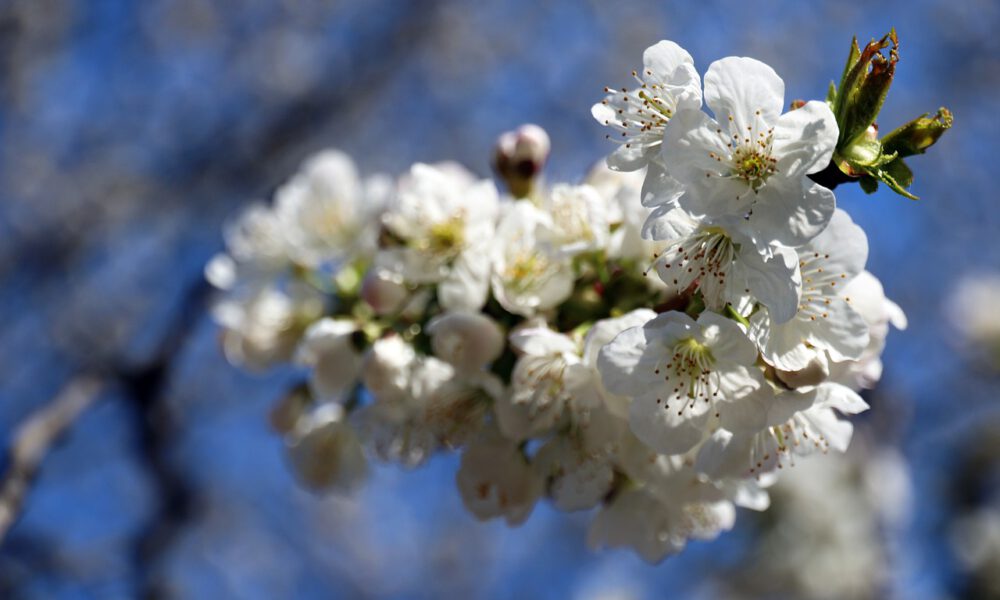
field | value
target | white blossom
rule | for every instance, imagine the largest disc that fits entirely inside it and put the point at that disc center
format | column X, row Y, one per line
column 751, row 161
column 326, row 210
column 724, row 264
column 578, row 478
column 395, row 426
column 684, row 375
column 325, row 452
column 825, row 320
column 528, row 274
column 496, row 480
column 599, row 416
column 540, row 388
column 579, row 217
column 528, row 335
column 263, row 329
column 668, row 83
column 327, row 347
column 455, row 409
column 386, row 368
column 439, row 230
column 867, row 297
column 622, row 191
column 657, row 520
column 468, row 341
column 798, row 423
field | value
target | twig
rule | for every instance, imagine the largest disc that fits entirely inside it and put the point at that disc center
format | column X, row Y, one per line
column 33, row 439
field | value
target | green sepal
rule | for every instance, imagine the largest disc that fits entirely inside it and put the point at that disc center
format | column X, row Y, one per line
column 696, row 305
column 736, row 316
column 885, row 177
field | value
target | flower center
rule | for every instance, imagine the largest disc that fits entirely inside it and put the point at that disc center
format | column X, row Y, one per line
column 715, row 250
column 753, row 166
column 525, row 271
column 446, row 236
column 689, row 369
column 641, row 114
column 749, row 153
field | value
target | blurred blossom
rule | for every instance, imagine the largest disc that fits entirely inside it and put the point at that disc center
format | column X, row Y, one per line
column 975, row 538
column 829, row 531
column 971, row 309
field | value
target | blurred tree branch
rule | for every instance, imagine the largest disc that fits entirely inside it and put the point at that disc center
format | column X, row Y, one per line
column 33, row 439
column 237, row 165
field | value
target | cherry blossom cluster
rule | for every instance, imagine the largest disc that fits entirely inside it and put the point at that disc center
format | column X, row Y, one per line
column 654, row 343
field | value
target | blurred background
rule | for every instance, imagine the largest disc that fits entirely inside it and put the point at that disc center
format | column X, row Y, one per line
column 130, row 130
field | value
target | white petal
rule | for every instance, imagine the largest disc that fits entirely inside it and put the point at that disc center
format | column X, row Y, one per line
column 724, row 455
column 619, row 359
column 467, row 285
column 804, row 139
column 790, row 213
column 842, row 249
column 666, row 58
column 840, row 331
column 541, row 341
column 739, row 86
column 688, row 139
column 669, row 224
column 744, row 399
column 663, row 429
column 659, row 187
column 841, row 397
column 836, row 431
column 628, row 158
column 627, row 364
column 782, row 344
column 775, row 282
column 606, row 330
column 726, row 340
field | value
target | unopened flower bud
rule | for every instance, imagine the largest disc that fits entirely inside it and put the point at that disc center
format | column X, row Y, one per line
column 871, row 134
column 326, row 453
column 384, row 291
column 286, row 413
column 385, row 370
column 519, row 157
column 328, row 348
column 466, row 340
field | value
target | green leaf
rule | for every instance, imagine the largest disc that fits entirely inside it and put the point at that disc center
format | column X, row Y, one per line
column 864, row 87
column 868, row 183
column 852, row 59
column 919, row 134
column 900, row 172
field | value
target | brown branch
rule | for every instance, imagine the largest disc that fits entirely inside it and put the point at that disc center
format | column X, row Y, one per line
column 33, row 439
